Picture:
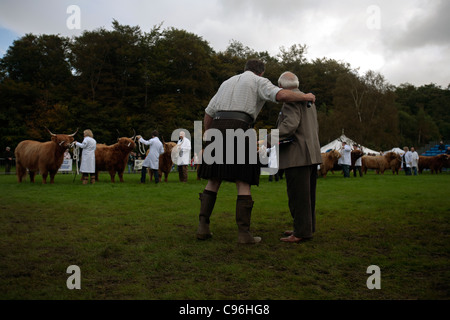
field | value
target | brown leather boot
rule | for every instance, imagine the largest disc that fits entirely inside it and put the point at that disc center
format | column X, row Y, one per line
column 207, row 202
column 244, row 206
column 92, row 179
column 85, row 180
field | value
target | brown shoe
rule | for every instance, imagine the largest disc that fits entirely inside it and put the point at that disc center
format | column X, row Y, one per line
column 294, row 239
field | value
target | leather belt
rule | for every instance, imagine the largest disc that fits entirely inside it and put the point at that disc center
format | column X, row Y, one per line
column 234, row 115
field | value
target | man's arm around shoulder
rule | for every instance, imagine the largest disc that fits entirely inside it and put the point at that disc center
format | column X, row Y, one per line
column 285, row 95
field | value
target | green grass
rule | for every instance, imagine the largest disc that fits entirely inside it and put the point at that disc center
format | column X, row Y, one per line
column 134, row 241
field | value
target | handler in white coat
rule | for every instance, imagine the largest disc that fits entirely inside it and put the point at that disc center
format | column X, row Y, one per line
column 152, row 159
column 88, row 156
column 184, row 156
column 346, row 159
column 414, row 160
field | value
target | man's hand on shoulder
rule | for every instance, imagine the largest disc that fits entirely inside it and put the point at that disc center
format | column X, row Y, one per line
column 310, row 97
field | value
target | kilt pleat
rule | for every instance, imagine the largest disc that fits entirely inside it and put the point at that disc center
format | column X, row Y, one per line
column 248, row 172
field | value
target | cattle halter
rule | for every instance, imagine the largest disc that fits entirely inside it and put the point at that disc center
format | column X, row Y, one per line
column 76, row 157
column 141, row 148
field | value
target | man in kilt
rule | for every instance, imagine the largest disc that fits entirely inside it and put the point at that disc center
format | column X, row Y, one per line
column 235, row 106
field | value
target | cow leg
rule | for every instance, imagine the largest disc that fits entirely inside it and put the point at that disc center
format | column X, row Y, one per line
column 32, row 175
column 113, row 176
column 120, row 174
column 166, row 174
column 44, row 177
column 21, row 173
column 52, row 177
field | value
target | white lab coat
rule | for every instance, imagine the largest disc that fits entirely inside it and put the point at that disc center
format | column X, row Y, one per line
column 273, row 161
column 88, row 156
column 346, row 156
column 414, row 159
column 184, row 148
column 408, row 159
column 358, row 162
column 156, row 149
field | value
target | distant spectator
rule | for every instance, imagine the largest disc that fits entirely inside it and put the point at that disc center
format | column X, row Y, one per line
column 346, row 160
column 414, row 160
column 273, row 163
column 406, row 161
column 441, row 146
column 131, row 159
column 8, row 155
column 358, row 162
column 67, row 156
column 448, row 150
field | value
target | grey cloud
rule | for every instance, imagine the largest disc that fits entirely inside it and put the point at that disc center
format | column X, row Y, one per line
column 332, row 29
column 429, row 28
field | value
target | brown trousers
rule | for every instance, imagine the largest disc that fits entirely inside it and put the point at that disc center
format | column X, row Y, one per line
column 301, row 189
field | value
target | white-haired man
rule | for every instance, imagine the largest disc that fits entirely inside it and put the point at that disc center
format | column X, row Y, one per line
column 299, row 158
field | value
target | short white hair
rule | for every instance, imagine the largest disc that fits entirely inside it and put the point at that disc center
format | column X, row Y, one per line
column 288, row 80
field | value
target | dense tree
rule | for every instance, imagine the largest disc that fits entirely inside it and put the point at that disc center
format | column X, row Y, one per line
column 423, row 113
column 365, row 108
column 37, row 77
column 117, row 80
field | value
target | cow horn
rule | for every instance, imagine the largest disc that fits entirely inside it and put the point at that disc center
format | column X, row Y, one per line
column 71, row 135
column 50, row 131
column 134, row 136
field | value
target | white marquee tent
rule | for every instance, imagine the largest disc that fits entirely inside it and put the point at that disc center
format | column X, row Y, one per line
column 397, row 151
column 337, row 144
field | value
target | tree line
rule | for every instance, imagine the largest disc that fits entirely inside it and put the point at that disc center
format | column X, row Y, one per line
column 124, row 79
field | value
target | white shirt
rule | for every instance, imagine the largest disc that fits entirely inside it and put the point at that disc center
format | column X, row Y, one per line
column 358, row 162
column 184, row 148
column 88, row 156
column 414, row 159
column 246, row 92
column 408, row 159
column 346, row 155
column 156, row 149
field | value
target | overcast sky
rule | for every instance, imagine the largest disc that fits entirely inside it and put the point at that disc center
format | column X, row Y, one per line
column 407, row 41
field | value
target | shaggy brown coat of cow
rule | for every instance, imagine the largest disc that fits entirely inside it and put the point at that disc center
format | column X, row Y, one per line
column 434, row 163
column 378, row 163
column 165, row 161
column 329, row 160
column 396, row 164
column 113, row 158
column 355, row 155
column 43, row 157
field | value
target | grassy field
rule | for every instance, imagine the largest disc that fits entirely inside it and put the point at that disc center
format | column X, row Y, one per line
column 134, row 241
